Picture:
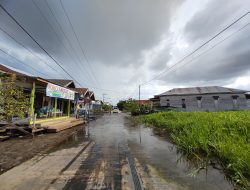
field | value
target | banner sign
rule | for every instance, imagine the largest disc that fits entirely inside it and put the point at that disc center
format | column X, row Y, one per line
column 53, row 90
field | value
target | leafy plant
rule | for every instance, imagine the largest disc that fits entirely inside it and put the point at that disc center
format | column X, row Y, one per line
column 132, row 106
column 13, row 101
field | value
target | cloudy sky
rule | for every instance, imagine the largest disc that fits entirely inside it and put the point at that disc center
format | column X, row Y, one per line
column 112, row 46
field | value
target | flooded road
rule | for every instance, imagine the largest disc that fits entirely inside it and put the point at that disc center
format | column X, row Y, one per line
column 112, row 154
column 155, row 160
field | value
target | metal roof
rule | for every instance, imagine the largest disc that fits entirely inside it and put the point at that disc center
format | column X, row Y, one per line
column 82, row 91
column 202, row 90
column 7, row 70
column 61, row 82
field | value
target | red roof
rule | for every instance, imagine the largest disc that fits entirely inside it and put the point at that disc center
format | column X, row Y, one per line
column 144, row 102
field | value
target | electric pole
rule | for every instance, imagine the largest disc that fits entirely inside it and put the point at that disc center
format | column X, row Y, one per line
column 139, row 99
column 103, row 97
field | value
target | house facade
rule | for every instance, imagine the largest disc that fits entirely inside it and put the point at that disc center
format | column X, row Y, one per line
column 50, row 97
column 211, row 98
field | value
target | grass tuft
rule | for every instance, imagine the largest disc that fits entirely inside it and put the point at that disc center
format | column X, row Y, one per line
column 225, row 135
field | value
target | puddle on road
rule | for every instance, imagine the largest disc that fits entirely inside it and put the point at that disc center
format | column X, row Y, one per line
column 164, row 167
column 76, row 139
column 156, row 159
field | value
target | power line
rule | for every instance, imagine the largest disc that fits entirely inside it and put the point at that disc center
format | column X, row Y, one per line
column 61, row 29
column 26, row 48
column 48, row 53
column 37, row 43
column 215, row 45
column 22, row 62
column 83, row 52
column 44, row 17
column 205, row 43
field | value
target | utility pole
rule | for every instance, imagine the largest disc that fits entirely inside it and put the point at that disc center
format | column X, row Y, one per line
column 103, row 97
column 140, row 110
column 139, row 99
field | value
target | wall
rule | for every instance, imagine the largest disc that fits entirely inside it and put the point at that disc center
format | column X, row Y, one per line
column 207, row 102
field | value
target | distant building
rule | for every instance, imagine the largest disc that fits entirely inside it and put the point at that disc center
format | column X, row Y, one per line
column 155, row 101
column 144, row 102
column 211, row 98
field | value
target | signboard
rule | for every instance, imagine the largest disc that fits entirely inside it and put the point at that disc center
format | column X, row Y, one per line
column 53, row 90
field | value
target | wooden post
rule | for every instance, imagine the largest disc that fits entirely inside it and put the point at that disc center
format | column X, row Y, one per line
column 68, row 107
column 55, row 107
column 32, row 101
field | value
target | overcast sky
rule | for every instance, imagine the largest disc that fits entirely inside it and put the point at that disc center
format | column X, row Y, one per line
column 116, row 45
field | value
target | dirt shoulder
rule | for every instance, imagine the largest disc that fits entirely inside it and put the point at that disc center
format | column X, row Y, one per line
column 17, row 150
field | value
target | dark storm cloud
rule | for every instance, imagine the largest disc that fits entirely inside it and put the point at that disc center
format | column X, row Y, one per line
column 119, row 30
column 130, row 41
column 216, row 15
column 220, row 66
column 160, row 62
column 224, row 63
column 27, row 14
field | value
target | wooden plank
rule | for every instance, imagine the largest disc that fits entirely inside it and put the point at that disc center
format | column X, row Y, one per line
column 2, row 130
column 38, row 130
column 3, row 138
column 60, row 127
column 21, row 129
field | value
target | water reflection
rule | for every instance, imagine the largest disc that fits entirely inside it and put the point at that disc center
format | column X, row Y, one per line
column 153, row 148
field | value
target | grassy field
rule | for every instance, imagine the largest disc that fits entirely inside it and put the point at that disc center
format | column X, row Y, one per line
column 224, row 135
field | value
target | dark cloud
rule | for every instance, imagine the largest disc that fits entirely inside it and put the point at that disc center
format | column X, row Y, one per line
column 220, row 66
column 115, row 32
column 215, row 16
column 127, row 42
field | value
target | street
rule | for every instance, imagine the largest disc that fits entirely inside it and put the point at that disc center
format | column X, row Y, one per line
column 111, row 154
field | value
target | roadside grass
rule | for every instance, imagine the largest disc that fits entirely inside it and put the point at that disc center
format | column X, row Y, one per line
column 224, row 135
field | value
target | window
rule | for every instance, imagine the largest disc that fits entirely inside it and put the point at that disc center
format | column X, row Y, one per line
column 168, row 103
column 199, row 101
column 235, row 103
column 248, row 100
column 216, row 101
column 183, row 103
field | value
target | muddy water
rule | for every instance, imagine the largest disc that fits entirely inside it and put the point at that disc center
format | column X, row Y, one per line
column 171, row 167
column 157, row 163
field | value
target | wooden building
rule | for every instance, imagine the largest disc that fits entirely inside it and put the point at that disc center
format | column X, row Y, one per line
column 48, row 99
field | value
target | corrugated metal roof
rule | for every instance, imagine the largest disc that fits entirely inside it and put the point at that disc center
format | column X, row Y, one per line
column 7, row 70
column 81, row 90
column 202, row 90
column 60, row 82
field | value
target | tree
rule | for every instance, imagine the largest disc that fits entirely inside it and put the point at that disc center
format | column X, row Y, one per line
column 106, row 107
column 121, row 105
column 132, row 106
column 13, row 101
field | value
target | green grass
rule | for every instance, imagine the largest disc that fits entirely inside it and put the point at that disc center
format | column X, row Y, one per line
column 225, row 135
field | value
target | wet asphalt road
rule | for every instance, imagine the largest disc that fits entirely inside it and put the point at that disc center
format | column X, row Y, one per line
column 111, row 154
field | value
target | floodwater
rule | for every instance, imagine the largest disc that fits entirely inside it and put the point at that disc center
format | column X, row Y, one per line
column 155, row 160
column 111, row 153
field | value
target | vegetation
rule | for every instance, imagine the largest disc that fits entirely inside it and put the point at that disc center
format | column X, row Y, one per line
column 13, row 101
column 106, row 107
column 121, row 104
column 132, row 106
column 224, row 135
